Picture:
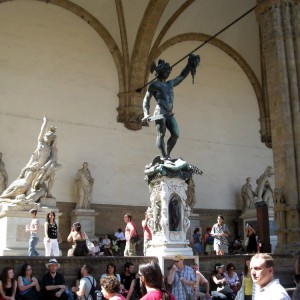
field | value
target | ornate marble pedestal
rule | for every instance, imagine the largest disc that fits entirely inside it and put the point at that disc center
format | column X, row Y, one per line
column 13, row 219
column 168, row 218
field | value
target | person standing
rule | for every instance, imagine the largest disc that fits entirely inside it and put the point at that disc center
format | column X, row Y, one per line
column 220, row 233
column 262, row 273
column 54, row 282
column 147, row 233
column 86, row 283
column 130, row 233
column 182, row 278
column 33, row 229
column 209, row 242
column 51, row 235
column 197, row 242
column 251, row 236
column 78, row 237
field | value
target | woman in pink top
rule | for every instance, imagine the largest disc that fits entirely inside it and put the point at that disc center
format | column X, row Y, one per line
column 152, row 278
column 110, row 287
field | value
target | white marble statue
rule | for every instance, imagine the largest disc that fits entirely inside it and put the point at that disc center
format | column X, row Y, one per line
column 3, row 175
column 248, row 195
column 84, row 186
column 37, row 177
column 265, row 187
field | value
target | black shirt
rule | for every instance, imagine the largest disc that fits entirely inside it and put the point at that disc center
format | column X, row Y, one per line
column 58, row 279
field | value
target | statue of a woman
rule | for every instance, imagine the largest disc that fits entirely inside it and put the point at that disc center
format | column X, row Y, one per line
column 84, row 186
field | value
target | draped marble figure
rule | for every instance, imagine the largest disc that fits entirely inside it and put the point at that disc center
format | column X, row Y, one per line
column 84, row 186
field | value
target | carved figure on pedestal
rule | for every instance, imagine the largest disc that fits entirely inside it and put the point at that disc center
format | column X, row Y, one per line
column 156, row 213
column 84, row 185
column 174, row 213
column 162, row 91
column 3, row 175
column 190, row 193
column 248, row 195
column 264, row 189
column 31, row 184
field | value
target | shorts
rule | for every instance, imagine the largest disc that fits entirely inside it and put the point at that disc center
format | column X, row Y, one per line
column 209, row 248
column 223, row 248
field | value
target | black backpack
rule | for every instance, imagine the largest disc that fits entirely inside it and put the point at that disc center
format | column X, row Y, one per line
column 94, row 293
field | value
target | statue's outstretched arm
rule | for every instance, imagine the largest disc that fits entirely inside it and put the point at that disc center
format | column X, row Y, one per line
column 43, row 129
column 191, row 66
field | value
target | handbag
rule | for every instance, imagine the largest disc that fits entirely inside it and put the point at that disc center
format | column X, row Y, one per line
column 225, row 289
column 247, row 241
column 136, row 238
column 90, row 245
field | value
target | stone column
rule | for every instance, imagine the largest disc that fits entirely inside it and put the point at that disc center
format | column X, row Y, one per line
column 280, row 40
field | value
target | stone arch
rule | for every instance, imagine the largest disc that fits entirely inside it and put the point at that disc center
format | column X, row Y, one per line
column 99, row 28
column 264, row 114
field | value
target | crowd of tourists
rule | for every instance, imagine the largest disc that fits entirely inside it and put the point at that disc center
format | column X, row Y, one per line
column 182, row 282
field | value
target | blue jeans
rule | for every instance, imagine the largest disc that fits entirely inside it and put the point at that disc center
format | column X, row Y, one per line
column 33, row 240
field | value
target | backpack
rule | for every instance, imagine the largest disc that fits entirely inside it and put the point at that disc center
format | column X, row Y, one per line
column 94, row 294
column 210, row 239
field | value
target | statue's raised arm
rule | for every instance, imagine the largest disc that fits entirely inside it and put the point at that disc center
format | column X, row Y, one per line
column 162, row 90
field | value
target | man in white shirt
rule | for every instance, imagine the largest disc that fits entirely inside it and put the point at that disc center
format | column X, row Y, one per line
column 262, row 273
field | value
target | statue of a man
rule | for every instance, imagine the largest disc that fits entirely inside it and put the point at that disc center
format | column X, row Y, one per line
column 248, row 195
column 3, row 175
column 84, row 186
column 162, row 91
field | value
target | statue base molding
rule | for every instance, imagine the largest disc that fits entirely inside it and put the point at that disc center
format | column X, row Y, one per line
column 13, row 219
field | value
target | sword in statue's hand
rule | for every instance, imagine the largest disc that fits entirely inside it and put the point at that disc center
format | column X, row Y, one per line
column 148, row 119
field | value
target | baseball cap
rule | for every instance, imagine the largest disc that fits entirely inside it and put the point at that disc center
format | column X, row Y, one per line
column 178, row 257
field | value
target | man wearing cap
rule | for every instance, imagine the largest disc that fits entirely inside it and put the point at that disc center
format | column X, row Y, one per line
column 182, row 278
column 53, row 282
column 262, row 273
column 33, row 228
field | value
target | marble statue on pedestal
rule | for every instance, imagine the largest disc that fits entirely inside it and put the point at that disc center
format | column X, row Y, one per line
column 3, row 175
column 84, row 186
column 248, row 195
column 37, row 177
column 264, row 189
column 171, row 203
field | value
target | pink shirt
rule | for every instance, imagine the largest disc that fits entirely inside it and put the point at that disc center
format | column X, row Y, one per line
column 118, row 297
column 155, row 295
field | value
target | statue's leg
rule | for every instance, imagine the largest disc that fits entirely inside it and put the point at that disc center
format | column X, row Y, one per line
column 161, row 131
column 172, row 126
